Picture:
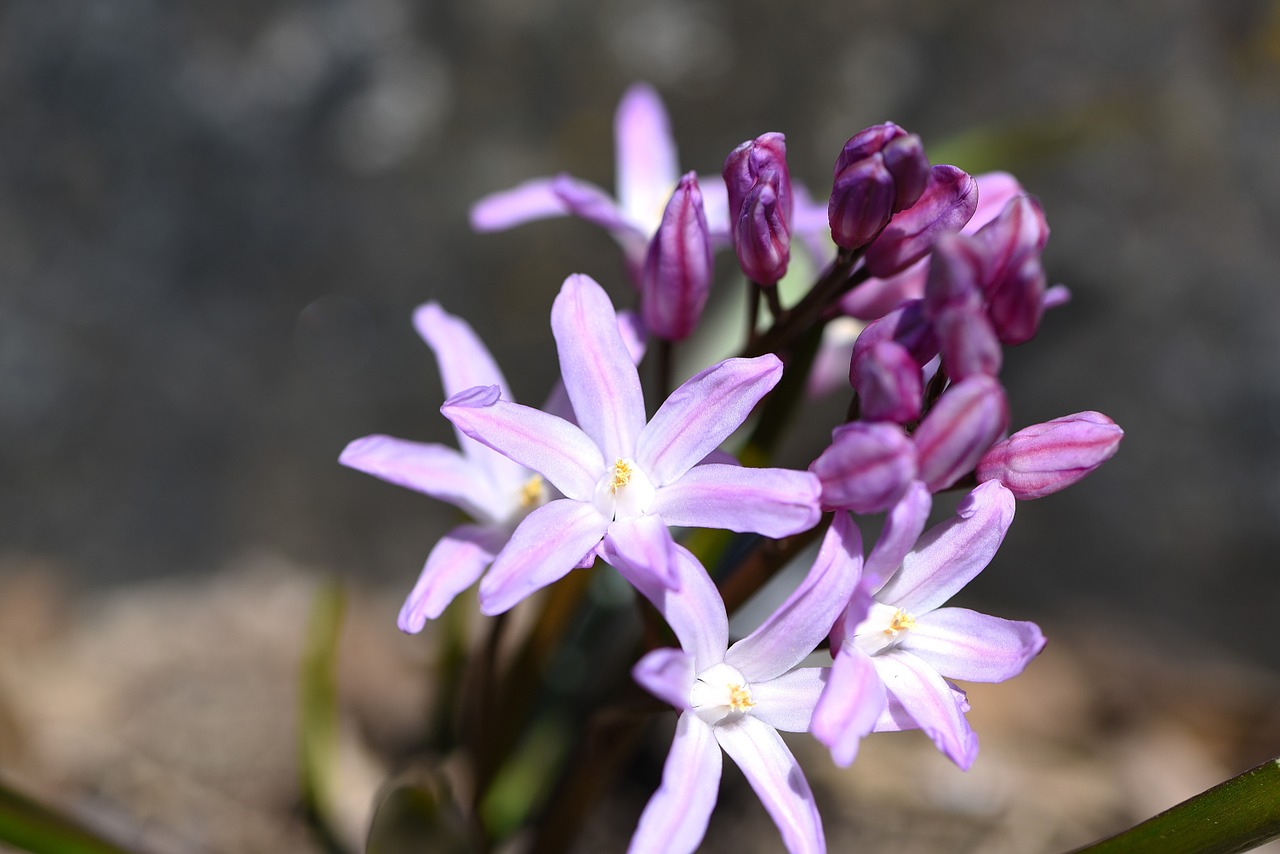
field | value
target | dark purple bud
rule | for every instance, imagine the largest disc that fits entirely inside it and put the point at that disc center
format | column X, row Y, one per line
column 867, row 142
column 1044, row 458
column 905, row 160
column 861, row 203
column 1016, row 304
column 677, row 268
column 905, row 325
column 954, row 281
column 1017, row 233
column 889, row 384
column 867, row 468
column 947, row 203
column 759, row 160
column 961, row 427
column 761, row 237
column 968, row 344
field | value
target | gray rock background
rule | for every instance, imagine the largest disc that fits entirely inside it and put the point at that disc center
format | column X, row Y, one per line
column 216, row 219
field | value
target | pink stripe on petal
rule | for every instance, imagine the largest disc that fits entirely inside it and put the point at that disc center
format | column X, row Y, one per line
column 645, row 544
column 546, row 545
column 772, row 502
column 778, row 781
column 951, row 553
column 963, row 644
column 675, row 819
column 456, row 561
column 702, row 413
column 902, row 528
column 850, row 706
column 929, row 700
column 599, row 376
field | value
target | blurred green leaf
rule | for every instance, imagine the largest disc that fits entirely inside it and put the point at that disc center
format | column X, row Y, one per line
column 30, row 826
column 1237, row 815
column 318, row 712
column 419, row 815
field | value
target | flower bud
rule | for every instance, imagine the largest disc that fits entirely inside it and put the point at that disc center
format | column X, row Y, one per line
column 880, row 171
column 1044, row 458
column 905, row 325
column 947, row 203
column 759, row 160
column 968, row 343
column 1016, row 304
column 677, row 269
column 888, row 382
column 955, row 276
column 867, row 467
column 960, row 428
column 759, row 190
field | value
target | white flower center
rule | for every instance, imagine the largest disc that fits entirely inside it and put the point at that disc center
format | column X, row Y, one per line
column 625, row 491
column 720, row 694
column 884, row 627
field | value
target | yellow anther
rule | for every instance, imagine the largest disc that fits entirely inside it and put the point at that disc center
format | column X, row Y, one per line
column 532, row 493
column 739, row 698
column 900, row 622
column 621, row 475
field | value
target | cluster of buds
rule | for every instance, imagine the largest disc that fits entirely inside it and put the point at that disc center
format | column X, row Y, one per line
column 945, row 273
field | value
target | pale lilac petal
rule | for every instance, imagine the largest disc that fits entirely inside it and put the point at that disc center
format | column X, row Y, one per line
column 546, row 545
column 598, row 373
column 551, row 446
column 675, row 819
column 453, row 565
column 775, row 775
column 715, row 202
column 801, row 622
column 1057, row 295
column 464, row 360
column 963, row 644
column 646, row 154
column 435, row 470
column 633, row 336
column 995, row 189
column 951, row 553
column 528, row 201
column 930, row 702
column 587, row 201
column 702, row 413
column 851, row 705
column 895, row 717
column 902, row 528
column 666, row 674
column 644, row 543
column 786, row 703
column 772, row 502
column 695, row 611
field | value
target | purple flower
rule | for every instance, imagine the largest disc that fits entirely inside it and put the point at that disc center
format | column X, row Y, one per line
column 625, row 481
column 677, row 269
column 911, row 645
column 881, row 170
column 736, row 698
column 1045, row 458
column 760, row 206
column 647, row 173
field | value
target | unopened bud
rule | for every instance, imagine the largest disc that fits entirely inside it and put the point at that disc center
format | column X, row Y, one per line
column 888, row 382
column 1044, row 458
column 947, row 203
column 867, row 467
column 961, row 427
column 678, row 266
column 880, row 171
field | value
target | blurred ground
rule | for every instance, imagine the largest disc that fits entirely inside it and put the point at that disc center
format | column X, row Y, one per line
column 165, row 713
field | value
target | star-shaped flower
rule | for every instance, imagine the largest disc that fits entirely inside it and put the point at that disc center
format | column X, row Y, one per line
column 624, row 480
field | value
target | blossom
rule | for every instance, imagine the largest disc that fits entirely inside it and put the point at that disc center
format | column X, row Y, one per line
column 624, row 480
column 1045, row 458
column 737, row 698
column 910, row 644
column 646, row 175
column 676, row 280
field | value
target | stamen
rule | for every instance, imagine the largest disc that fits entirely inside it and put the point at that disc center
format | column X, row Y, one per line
column 740, row 698
column 900, row 622
column 533, row 493
column 621, row 475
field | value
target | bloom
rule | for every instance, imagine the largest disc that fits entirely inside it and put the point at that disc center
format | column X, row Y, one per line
column 1045, row 458
column 646, row 174
column 624, row 480
column 910, row 644
column 736, row 698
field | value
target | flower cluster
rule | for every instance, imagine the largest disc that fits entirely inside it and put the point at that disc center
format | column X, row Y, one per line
column 942, row 271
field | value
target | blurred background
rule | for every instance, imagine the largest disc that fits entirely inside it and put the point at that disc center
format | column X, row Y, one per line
column 217, row 217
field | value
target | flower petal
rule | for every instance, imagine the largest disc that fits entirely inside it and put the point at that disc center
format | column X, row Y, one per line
column 675, row 819
column 598, row 373
column 930, row 702
column 702, row 413
column 646, row 155
column 453, row 565
column 801, row 622
column 546, row 545
column 646, row 545
column 587, row 201
column 666, row 674
column 902, row 527
column 695, row 611
column 435, row 470
column 551, row 446
column 527, row 201
column 464, row 360
column 963, row 644
column 786, row 703
column 850, row 706
column 772, row 502
column 951, row 553
column 775, row 775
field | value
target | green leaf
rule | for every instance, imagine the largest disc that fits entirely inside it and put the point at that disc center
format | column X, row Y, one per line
column 318, row 712
column 32, row 827
column 1237, row 815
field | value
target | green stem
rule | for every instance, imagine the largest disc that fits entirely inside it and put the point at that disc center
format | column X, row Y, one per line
column 1237, row 815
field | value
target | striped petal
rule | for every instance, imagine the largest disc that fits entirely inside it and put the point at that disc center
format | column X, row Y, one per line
column 772, row 502
column 778, row 781
column 454, row 564
column 675, row 819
